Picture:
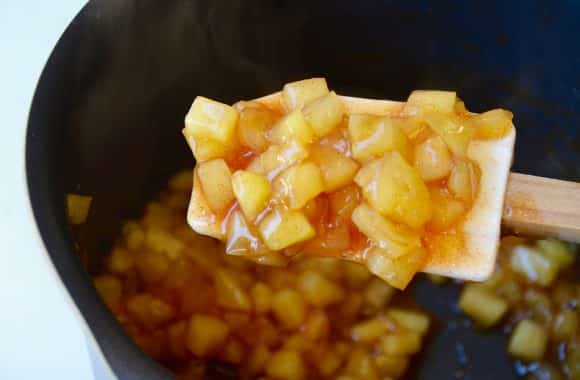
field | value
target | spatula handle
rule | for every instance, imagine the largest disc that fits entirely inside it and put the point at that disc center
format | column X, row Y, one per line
column 542, row 207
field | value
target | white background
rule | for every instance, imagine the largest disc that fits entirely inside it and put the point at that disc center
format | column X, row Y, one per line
column 41, row 336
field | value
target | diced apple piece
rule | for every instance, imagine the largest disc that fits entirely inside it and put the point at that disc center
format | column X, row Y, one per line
column 216, row 182
column 241, row 238
column 446, row 210
column 463, row 182
column 210, row 126
column 396, row 272
column 533, row 265
column 401, row 343
column 253, row 126
column 297, row 94
column 371, row 136
column 252, row 191
column 282, row 229
column 409, row 320
column 292, row 127
column 276, row 159
column 286, row 365
column 456, row 133
column 440, row 101
column 205, row 334
column 298, row 184
column 395, row 189
column 433, row 159
column 492, row 124
column 324, row 114
column 337, row 169
column 528, row 341
column 416, row 129
column 78, row 207
column 206, row 149
column 557, row 251
column 395, row 239
column 482, row 305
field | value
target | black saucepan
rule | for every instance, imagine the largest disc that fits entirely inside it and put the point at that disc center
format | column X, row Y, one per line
column 109, row 107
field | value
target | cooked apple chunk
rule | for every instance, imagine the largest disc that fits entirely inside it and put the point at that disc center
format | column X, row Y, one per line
column 298, row 184
column 216, row 183
column 324, row 114
column 281, row 229
column 371, row 136
column 296, row 94
column 292, row 127
column 337, row 169
column 209, row 128
column 395, row 189
column 252, row 192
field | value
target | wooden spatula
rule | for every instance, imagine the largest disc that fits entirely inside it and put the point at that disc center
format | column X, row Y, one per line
column 532, row 205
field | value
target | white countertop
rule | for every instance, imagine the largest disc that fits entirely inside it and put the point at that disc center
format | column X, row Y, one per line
column 41, row 336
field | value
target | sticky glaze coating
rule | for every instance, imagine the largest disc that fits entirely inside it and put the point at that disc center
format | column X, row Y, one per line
column 307, row 177
column 185, row 302
column 534, row 295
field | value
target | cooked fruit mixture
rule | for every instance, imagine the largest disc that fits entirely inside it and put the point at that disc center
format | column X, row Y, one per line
column 534, row 292
column 306, row 177
column 184, row 302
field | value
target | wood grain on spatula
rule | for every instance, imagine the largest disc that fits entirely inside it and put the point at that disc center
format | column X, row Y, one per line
column 542, row 207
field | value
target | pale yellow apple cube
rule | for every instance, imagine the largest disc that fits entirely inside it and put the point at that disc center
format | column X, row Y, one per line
column 255, row 121
column 528, row 341
column 286, row 365
column 324, row 114
column 281, row 229
column 370, row 329
column 206, row 334
column 210, row 124
column 252, row 191
column 396, row 190
column 297, row 94
column 292, row 127
column 211, row 120
column 78, row 207
column 401, row 343
column 371, row 136
column 482, row 305
column 440, row 101
column 395, row 239
column 396, row 272
column 205, row 149
column 337, row 169
column 492, row 124
column 456, row 133
column 433, row 159
column 409, row 320
column 276, row 159
column 318, row 290
column 216, row 182
column 289, row 308
column 299, row 184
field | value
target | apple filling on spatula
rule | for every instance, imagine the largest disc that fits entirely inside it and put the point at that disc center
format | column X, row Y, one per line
column 401, row 186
